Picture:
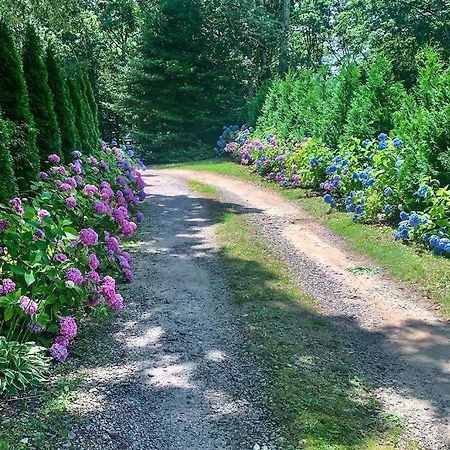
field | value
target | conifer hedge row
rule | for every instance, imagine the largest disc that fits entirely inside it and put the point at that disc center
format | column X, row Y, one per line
column 42, row 111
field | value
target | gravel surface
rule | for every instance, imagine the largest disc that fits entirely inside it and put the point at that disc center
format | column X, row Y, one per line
column 180, row 378
column 400, row 343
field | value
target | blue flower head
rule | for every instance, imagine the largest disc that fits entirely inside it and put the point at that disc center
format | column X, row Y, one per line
column 404, row 215
column 388, row 192
column 333, row 203
column 397, row 142
column 382, row 137
column 414, row 220
column 434, row 240
column 327, row 198
column 441, row 232
column 359, row 210
column 331, row 169
column 366, row 143
column 382, row 145
column 422, row 191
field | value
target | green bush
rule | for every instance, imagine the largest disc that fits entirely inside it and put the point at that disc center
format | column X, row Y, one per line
column 372, row 109
column 424, row 120
column 48, row 138
column 64, row 114
column 21, row 365
column 8, row 184
column 15, row 106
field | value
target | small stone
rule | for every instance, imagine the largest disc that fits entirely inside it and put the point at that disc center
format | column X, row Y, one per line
column 256, row 447
column 24, row 441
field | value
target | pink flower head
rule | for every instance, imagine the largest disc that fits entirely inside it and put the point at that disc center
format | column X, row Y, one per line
column 60, row 257
column 127, row 228
column 71, row 202
column 61, row 170
column 68, row 327
column 59, row 352
column 42, row 213
column 65, row 187
column 75, row 168
column 43, row 175
column 27, row 305
column 93, row 261
column 90, row 190
column 92, row 160
column 16, row 203
column 93, row 276
column 115, row 302
column 74, row 275
column 3, row 224
column 8, row 286
column 112, row 243
column 120, row 214
column 54, row 158
column 88, row 236
column 62, row 340
column 71, row 181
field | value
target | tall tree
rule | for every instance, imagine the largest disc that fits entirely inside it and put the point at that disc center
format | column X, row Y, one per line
column 172, row 85
column 79, row 109
column 8, row 184
column 64, row 114
column 15, row 105
column 285, row 32
column 48, row 138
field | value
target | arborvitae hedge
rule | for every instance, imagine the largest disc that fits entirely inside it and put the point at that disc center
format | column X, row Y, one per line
column 48, row 138
column 63, row 110
column 15, row 105
column 8, row 185
column 94, row 110
column 79, row 109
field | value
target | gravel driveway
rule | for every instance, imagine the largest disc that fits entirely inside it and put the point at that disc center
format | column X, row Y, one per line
column 400, row 343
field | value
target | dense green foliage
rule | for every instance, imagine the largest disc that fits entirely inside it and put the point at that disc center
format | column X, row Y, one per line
column 8, row 185
column 61, row 100
column 15, row 106
column 48, row 137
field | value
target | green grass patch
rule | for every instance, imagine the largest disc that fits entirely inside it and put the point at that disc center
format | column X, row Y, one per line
column 406, row 263
column 203, row 188
column 318, row 397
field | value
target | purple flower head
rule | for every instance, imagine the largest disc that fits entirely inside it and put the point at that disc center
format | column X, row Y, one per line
column 71, row 181
column 123, row 262
column 27, row 305
column 115, row 302
column 93, row 276
column 68, row 327
column 54, row 158
column 75, row 168
column 59, row 352
column 90, row 190
column 60, row 170
column 112, row 243
column 88, row 236
column 71, row 202
column 100, row 208
column 76, row 154
column 42, row 213
column 60, row 258
column 93, row 261
column 34, row 327
column 43, row 175
column 16, row 203
column 74, row 275
column 139, row 217
column 38, row 234
column 127, row 273
column 104, row 165
column 3, row 224
column 127, row 228
column 65, row 187
column 92, row 160
column 8, row 286
column 95, row 170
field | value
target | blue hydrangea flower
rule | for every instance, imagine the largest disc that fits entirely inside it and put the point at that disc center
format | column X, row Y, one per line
column 366, row 143
column 404, row 215
column 371, row 182
column 402, row 234
column 327, row 198
column 382, row 137
column 425, row 237
column 382, row 145
column 362, row 175
column 355, row 176
column 434, row 240
column 441, row 232
column 397, row 142
column 388, row 192
column 349, row 208
column 333, row 203
column 422, row 191
column 414, row 220
column 359, row 210
column 331, row 169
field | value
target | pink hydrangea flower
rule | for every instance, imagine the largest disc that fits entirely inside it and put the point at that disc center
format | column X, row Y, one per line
column 74, row 275
column 62, row 340
column 27, row 305
column 60, row 257
column 93, row 276
column 43, row 175
column 127, row 228
column 116, row 302
column 71, row 181
column 68, row 327
column 8, row 286
column 58, row 352
column 42, row 213
column 3, row 224
column 16, row 203
column 112, row 243
column 90, row 190
column 75, row 168
column 54, row 158
column 71, row 202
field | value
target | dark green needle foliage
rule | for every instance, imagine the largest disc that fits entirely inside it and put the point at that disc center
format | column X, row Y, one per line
column 48, row 137
column 15, row 106
column 8, row 185
column 64, row 113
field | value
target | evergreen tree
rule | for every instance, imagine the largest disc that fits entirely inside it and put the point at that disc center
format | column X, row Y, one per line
column 15, row 105
column 172, row 85
column 8, row 185
column 64, row 113
column 48, row 138
column 93, row 108
column 78, row 105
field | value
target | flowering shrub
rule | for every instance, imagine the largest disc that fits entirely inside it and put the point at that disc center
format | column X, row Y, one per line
column 370, row 179
column 60, row 247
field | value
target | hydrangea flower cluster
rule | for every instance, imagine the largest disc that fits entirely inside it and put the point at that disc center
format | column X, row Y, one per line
column 364, row 178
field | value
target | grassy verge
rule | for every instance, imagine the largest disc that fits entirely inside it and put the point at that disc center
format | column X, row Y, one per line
column 318, row 398
column 406, row 263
